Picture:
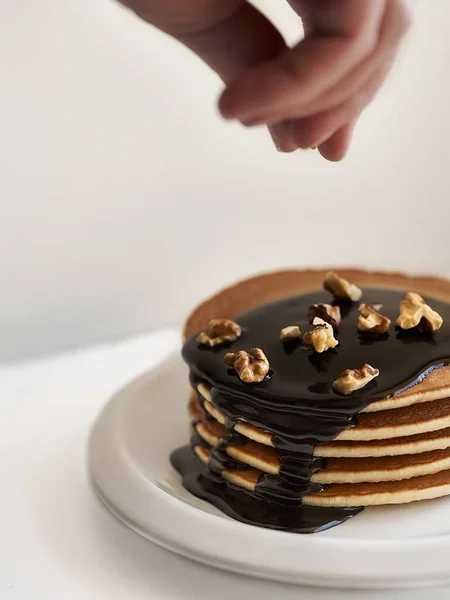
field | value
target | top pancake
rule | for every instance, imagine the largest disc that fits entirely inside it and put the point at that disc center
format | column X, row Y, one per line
column 250, row 293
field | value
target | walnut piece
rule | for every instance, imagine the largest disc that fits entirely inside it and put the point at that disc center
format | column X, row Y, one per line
column 351, row 380
column 218, row 332
column 415, row 312
column 292, row 332
column 376, row 306
column 321, row 337
column 251, row 367
column 341, row 288
column 326, row 312
column 371, row 321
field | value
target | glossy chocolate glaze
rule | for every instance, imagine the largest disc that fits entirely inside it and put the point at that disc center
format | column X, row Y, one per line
column 297, row 404
column 248, row 507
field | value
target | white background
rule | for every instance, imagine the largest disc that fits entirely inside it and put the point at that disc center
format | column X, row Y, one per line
column 125, row 199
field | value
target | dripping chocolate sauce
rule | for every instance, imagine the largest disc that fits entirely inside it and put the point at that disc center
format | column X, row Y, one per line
column 297, row 404
column 246, row 506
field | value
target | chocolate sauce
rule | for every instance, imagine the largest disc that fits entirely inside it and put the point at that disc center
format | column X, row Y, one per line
column 219, row 461
column 297, row 469
column 298, row 405
column 247, row 507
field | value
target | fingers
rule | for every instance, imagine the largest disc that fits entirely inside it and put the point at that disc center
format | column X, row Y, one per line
column 229, row 36
column 183, row 16
column 336, row 147
column 318, row 129
column 309, row 95
column 315, row 130
column 344, row 33
column 244, row 39
column 337, row 106
column 282, row 137
column 328, row 128
column 394, row 25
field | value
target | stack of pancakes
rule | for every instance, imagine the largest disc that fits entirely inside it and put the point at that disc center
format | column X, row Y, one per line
column 393, row 455
column 399, row 449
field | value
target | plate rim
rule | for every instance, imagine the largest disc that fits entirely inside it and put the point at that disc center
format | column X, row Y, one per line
column 427, row 562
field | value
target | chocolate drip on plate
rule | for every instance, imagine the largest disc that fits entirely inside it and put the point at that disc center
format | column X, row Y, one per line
column 246, row 506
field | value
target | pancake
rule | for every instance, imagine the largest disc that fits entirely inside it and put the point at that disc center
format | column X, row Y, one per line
column 414, row 444
column 335, row 470
column 408, row 421
column 391, row 492
column 202, row 453
column 212, row 432
column 434, row 386
column 353, row 494
column 250, row 293
column 361, row 494
column 291, row 440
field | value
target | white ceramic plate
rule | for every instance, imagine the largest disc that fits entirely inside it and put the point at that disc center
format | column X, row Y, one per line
column 384, row 547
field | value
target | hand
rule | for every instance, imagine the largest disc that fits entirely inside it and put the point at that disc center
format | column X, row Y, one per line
column 309, row 95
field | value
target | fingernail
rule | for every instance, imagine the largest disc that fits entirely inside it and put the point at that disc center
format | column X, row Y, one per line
column 321, row 141
column 279, row 147
column 278, row 141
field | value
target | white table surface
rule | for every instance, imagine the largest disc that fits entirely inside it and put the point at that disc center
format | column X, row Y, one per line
column 58, row 540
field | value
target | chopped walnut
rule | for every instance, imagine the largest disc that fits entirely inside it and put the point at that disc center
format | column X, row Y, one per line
column 218, row 332
column 251, row 367
column 415, row 312
column 292, row 332
column 326, row 312
column 371, row 321
column 321, row 336
column 341, row 288
column 351, row 380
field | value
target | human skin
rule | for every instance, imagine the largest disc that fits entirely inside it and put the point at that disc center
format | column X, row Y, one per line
column 309, row 95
